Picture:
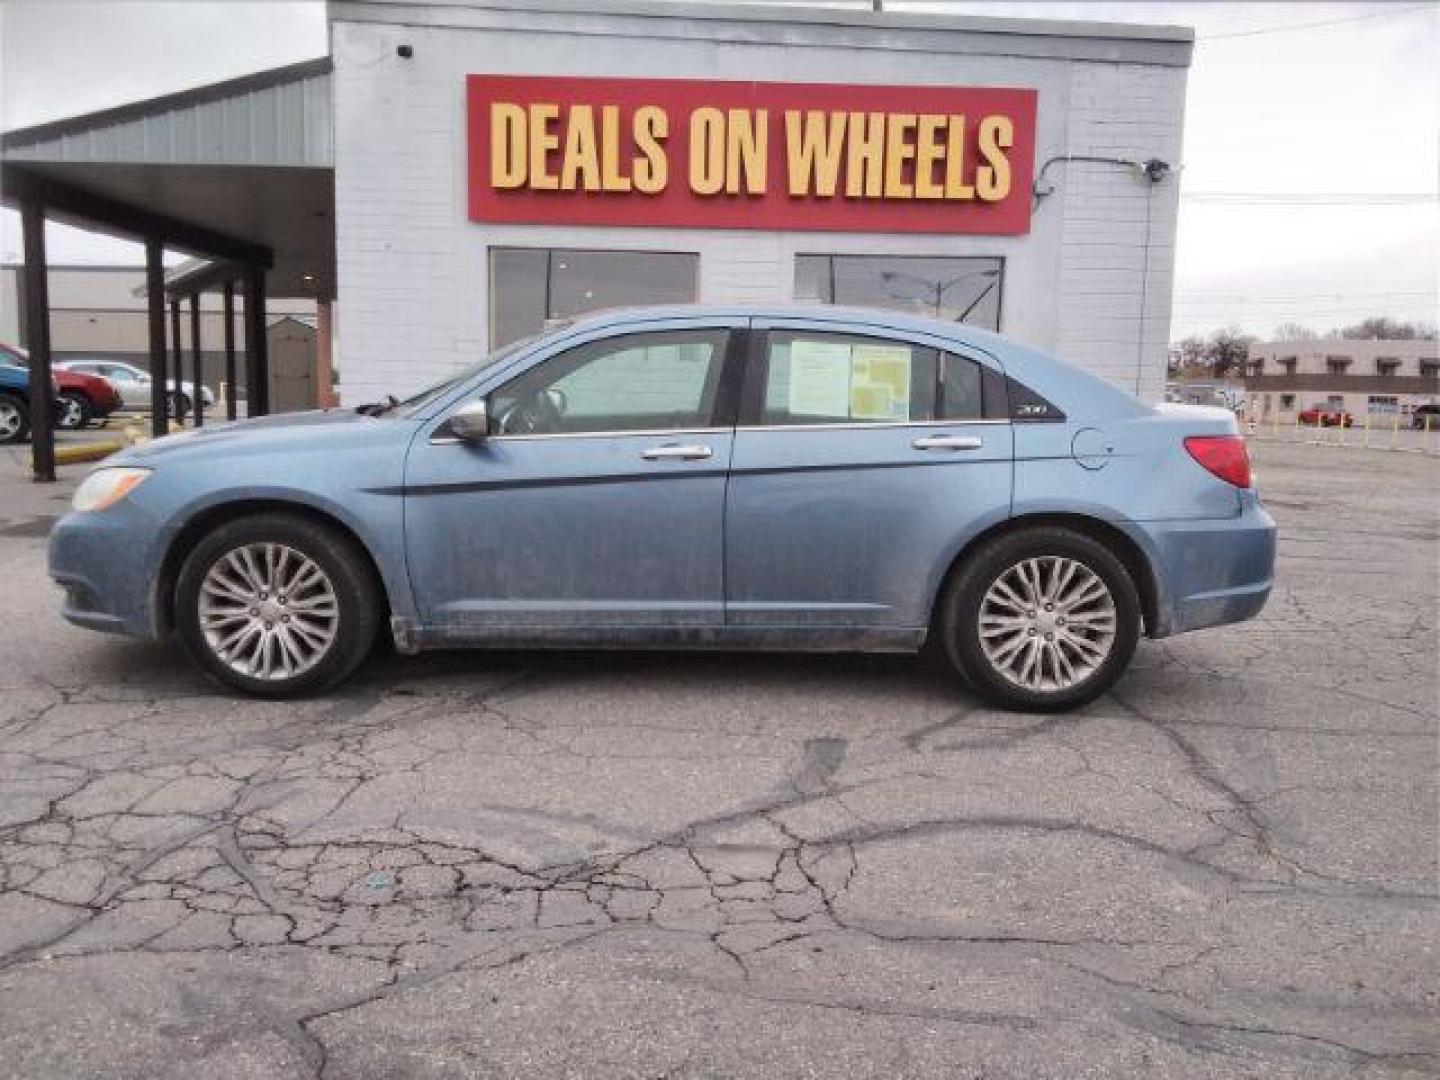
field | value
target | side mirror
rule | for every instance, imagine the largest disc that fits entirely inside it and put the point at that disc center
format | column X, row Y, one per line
column 471, row 421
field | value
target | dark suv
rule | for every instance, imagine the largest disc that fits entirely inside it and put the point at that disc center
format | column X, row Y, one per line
column 1426, row 416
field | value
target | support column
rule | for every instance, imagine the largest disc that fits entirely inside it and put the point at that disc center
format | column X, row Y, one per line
column 228, row 292
column 257, row 360
column 197, row 362
column 155, row 307
column 177, row 356
column 325, row 355
column 37, row 341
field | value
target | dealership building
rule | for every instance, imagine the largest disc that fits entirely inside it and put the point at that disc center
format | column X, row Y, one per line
column 454, row 176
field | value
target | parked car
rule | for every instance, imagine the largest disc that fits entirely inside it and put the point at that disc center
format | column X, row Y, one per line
column 1325, row 416
column 1426, row 416
column 691, row 478
column 79, row 398
column 15, row 410
column 134, row 384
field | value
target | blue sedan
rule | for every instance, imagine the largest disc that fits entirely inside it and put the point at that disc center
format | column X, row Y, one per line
column 806, row 479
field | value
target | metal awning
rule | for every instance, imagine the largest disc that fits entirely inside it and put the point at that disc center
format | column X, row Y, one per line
column 239, row 173
column 251, row 159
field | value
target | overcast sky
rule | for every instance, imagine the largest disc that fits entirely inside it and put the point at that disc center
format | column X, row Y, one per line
column 1309, row 172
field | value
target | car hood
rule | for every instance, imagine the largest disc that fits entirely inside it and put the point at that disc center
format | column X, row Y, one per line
column 327, row 429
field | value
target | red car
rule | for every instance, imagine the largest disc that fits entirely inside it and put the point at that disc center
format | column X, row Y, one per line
column 1324, row 416
column 79, row 398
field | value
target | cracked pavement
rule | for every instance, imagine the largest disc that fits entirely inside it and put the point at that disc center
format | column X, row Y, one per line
column 505, row 864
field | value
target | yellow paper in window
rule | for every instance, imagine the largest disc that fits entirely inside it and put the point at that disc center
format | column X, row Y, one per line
column 880, row 382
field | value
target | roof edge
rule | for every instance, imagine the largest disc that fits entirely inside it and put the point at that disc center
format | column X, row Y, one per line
column 195, row 95
column 346, row 10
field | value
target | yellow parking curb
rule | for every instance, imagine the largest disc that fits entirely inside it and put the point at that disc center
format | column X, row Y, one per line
column 80, row 452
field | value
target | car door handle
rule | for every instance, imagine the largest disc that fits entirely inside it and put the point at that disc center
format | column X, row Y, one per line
column 948, row 442
column 692, row 452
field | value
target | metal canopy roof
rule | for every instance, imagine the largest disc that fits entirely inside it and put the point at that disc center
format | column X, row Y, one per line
column 250, row 158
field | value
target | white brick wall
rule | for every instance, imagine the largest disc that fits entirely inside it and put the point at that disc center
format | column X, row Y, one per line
column 412, row 268
column 1117, row 255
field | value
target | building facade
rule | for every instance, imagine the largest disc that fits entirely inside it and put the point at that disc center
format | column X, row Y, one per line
column 1379, row 379
column 500, row 165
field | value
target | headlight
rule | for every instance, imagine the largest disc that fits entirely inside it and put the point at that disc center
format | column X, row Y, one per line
column 103, row 488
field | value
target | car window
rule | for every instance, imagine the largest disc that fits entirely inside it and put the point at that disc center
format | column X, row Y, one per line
column 636, row 382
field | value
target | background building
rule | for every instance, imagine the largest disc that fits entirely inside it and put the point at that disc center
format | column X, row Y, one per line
column 1376, row 378
column 428, row 281
column 457, row 175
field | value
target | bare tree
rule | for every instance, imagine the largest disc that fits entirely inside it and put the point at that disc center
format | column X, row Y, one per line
column 1384, row 328
column 1228, row 349
column 1293, row 331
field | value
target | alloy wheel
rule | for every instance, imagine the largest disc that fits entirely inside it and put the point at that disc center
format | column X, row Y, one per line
column 268, row 611
column 10, row 420
column 1047, row 623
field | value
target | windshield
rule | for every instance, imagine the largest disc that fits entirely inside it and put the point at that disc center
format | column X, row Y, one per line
column 413, row 404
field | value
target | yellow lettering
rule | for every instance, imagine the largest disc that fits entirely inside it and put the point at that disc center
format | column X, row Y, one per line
column 899, row 148
column 813, row 141
column 579, row 162
column 707, row 151
column 928, row 151
column 864, row 154
column 746, row 145
column 955, row 186
column 543, row 143
column 507, row 145
column 613, row 178
column 651, row 125
column 992, row 181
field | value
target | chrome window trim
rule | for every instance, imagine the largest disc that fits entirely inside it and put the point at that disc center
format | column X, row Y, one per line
column 640, row 433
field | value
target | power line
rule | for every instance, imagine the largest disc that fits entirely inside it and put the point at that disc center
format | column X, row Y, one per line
column 1293, row 27
column 1305, row 198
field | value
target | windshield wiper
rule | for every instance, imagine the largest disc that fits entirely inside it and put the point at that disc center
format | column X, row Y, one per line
column 379, row 408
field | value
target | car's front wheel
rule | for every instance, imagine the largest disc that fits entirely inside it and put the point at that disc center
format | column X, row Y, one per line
column 1042, row 619
column 277, row 605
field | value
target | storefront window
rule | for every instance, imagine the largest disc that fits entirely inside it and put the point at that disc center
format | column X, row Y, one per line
column 954, row 289
column 531, row 287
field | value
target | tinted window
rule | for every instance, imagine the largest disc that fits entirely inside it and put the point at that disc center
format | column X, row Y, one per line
column 638, row 382
column 819, row 378
column 960, row 395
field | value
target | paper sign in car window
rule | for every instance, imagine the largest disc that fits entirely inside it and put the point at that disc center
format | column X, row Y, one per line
column 819, row 378
column 880, row 384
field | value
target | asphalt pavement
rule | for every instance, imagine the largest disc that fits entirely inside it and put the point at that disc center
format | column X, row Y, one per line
column 644, row 866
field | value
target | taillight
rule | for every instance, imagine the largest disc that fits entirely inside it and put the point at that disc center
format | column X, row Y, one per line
column 1224, row 456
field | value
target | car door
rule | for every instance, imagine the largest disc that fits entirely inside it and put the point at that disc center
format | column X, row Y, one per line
column 863, row 460
column 598, row 502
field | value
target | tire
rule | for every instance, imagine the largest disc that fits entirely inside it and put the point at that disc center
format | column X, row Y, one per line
column 240, row 603
column 1003, row 564
column 179, row 405
column 75, row 410
column 14, row 419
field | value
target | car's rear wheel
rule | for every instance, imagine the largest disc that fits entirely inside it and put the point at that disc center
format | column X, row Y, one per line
column 14, row 419
column 276, row 605
column 74, row 410
column 179, row 405
column 1041, row 619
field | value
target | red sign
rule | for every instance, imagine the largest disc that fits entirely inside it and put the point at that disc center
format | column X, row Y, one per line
column 749, row 155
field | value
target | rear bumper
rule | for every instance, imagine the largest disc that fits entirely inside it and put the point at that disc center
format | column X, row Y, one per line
column 1210, row 573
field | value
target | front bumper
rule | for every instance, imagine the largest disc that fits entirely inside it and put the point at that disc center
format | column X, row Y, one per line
column 104, row 563
column 1212, row 572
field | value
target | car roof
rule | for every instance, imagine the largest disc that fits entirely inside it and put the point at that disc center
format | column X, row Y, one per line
column 898, row 320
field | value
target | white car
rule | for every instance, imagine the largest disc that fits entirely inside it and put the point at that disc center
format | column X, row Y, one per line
column 134, row 384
